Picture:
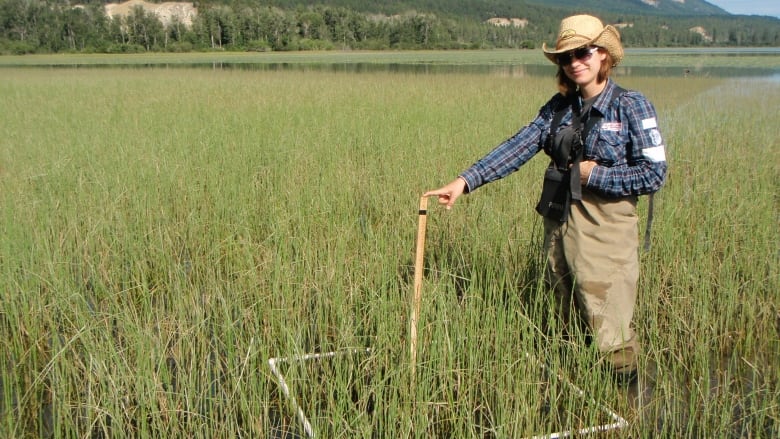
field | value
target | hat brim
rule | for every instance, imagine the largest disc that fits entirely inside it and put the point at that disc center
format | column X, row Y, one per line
column 608, row 39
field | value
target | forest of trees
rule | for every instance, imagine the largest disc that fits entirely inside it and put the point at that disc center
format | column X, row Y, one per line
column 37, row 26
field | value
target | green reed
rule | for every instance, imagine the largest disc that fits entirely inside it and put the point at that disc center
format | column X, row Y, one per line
column 167, row 231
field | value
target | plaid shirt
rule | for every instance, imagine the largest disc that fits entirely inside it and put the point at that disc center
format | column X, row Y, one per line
column 626, row 145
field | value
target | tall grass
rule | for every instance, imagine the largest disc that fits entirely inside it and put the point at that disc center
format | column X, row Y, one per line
column 165, row 232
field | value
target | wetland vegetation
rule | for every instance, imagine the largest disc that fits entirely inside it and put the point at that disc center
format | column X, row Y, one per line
column 166, row 231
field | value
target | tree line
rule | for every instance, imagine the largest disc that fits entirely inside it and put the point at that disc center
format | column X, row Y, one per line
column 37, row 26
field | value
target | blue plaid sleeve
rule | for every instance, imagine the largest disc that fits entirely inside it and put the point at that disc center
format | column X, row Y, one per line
column 511, row 154
column 628, row 148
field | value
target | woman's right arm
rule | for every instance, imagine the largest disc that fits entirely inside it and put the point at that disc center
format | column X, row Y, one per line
column 503, row 160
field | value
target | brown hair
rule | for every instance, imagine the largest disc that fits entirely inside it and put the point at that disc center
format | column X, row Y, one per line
column 566, row 85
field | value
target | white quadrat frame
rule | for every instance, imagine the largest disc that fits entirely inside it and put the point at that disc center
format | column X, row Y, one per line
column 274, row 362
column 618, row 421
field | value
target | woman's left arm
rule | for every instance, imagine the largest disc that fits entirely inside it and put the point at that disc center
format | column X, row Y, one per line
column 644, row 169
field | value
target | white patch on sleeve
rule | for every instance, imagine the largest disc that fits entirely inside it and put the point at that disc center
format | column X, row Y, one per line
column 655, row 136
column 655, row 153
column 649, row 123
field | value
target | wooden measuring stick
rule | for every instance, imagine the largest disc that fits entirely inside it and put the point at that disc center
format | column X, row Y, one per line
column 418, row 277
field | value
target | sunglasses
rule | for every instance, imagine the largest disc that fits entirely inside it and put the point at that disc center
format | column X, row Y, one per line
column 582, row 54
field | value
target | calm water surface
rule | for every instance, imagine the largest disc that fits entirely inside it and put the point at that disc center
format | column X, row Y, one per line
column 520, row 70
column 686, row 62
column 758, row 63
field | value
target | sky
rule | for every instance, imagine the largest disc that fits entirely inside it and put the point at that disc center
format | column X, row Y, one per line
column 749, row 7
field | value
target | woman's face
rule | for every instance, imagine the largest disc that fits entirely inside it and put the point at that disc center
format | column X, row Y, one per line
column 582, row 65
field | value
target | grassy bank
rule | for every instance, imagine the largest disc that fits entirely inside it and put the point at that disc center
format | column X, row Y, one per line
column 165, row 232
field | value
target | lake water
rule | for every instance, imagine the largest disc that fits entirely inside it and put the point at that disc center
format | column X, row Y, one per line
column 520, row 70
column 764, row 64
column 758, row 63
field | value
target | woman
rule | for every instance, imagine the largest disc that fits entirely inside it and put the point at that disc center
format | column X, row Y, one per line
column 606, row 150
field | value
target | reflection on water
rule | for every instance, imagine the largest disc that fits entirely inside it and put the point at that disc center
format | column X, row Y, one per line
column 403, row 68
column 519, row 70
column 717, row 62
column 503, row 70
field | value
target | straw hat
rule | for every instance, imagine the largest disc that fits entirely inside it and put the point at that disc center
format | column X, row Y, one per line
column 586, row 30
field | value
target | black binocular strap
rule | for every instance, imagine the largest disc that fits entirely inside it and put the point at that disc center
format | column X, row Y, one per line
column 590, row 122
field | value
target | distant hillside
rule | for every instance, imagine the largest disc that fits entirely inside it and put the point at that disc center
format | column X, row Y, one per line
column 638, row 7
column 167, row 12
column 484, row 9
column 494, row 12
column 288, row 25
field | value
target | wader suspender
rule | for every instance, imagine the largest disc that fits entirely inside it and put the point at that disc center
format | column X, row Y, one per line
column 576, row 153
